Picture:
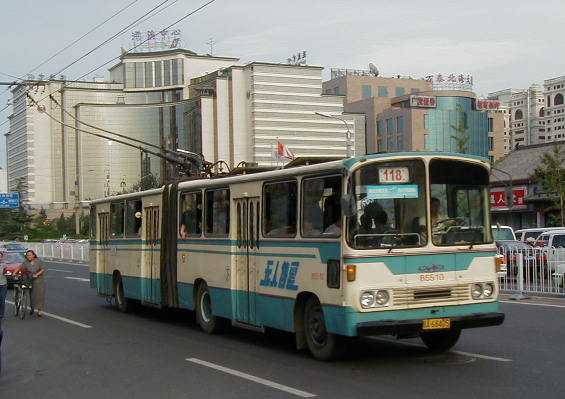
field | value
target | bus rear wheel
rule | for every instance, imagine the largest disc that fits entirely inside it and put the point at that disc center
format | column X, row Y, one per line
column 121, row 301
column 440, row 341
column 208, row 322
column 322, row 344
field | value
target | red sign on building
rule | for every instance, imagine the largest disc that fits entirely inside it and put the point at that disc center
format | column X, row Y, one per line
column 498, row 200
column 422, row 101
column 486, row 105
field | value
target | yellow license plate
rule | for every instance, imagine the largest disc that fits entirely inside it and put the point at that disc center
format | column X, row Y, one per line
column 436, row 324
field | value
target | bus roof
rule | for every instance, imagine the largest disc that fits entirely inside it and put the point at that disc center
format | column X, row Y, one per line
column 338, row 166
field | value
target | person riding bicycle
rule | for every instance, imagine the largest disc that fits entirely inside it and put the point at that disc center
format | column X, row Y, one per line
column 35, row 267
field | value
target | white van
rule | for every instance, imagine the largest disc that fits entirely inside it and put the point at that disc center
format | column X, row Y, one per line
column 525, row 234
column 503, row 233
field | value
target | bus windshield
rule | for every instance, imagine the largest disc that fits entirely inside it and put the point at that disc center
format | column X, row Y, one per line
column 389, row 206
column 459, row 203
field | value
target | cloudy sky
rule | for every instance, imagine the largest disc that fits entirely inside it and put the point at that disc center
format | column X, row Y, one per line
column 501, row 43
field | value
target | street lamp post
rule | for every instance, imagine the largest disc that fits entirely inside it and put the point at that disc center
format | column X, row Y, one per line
column 348, row 139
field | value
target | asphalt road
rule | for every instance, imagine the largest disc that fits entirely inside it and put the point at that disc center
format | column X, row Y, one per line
column 87, row 349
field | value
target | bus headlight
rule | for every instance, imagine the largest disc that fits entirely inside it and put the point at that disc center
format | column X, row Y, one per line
column 367, row 299
column 374, row 299
column 476, row 291
column 382, row 297
column 488, row 289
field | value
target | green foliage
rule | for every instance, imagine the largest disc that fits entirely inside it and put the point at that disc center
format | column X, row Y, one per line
column 461, row 136
column 147, row 182
column 550, row 176
column 16, row 224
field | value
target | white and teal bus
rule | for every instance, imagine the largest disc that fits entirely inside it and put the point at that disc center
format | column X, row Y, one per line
column 384, row 244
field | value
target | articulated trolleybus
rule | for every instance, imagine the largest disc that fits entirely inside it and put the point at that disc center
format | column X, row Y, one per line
column 384, row 244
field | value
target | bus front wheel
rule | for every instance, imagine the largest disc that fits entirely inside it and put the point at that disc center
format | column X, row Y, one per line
column 322, row 344
column 440, row 341
column 209, row 323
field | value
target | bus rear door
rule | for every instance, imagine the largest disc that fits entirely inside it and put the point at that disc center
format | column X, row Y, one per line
column 150, row 285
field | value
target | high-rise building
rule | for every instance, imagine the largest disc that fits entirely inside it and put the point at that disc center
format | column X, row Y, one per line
column 244, row 111
column 552, row 116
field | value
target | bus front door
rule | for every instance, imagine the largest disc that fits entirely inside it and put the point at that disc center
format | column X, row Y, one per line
column 150, row 287
column 247, row 247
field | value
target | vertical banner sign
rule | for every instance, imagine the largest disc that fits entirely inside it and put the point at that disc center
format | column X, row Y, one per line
column 10, row 201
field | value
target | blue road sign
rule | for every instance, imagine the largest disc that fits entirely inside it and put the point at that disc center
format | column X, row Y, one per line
column 10, row 200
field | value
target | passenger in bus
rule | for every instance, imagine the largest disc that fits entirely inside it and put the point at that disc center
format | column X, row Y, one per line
column 221, row 213
column 190, row 218
column 374, row 219
column 332, row 214
column 313, row 223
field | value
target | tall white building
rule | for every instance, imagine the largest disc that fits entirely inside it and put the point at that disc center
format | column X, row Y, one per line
column 526, row 111
column 554, row 111
column 246, row 110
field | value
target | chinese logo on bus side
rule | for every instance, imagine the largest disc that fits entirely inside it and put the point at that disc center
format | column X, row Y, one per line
column 280, row 275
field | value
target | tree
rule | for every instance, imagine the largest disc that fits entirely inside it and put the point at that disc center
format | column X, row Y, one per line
column 550, row 176
column 147, row 182
column 461, row 136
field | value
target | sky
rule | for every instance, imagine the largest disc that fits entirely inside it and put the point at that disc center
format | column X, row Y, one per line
column 501, row 43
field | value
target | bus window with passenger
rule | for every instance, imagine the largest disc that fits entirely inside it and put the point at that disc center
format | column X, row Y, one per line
column 389, row 206
column 460, row 191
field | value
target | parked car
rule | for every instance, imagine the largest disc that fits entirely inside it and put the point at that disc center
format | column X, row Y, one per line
column 505, row 233
column 530, row 235
column 10, row 262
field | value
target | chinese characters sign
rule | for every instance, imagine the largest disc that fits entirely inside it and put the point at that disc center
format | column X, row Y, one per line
column 450, row 81
column 152, row 40
column 498, row 200
column 10, row 201
column 485, row 105
column 422, row 101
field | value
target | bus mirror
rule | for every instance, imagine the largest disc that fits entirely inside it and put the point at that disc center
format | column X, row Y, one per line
column 348, row 205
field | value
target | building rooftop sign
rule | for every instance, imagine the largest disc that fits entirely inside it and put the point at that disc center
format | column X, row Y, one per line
column 337, row 73
column 450, row 81
column 151, row 40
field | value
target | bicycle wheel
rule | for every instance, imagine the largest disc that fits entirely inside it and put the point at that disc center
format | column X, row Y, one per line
column 17, row 300
column 24, row 304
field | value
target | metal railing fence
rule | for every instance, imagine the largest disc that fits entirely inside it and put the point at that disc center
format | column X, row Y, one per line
column 60, row 250
column 534, row 270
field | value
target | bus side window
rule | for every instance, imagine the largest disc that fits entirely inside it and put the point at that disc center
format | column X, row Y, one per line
column 133, row 218
column 217, row 212
column 321, row 208
column 190, row 215
column 117, row 219
column 279, row 209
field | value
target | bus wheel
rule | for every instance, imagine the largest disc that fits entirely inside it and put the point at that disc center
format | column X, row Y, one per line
column 207, row 321
column 440, row 341
column 121, row 300
column 322, row 345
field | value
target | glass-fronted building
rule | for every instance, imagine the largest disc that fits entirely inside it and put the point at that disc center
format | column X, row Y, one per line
column 446, row 121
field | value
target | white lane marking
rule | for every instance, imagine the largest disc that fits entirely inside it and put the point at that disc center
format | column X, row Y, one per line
column 60, row 318
column 78, row 278
column 250, row 377
column 70, row 263
column 59, row 270
column 468, row 354
column 534, row 304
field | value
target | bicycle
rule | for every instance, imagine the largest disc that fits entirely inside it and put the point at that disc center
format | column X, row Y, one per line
column 22, row 296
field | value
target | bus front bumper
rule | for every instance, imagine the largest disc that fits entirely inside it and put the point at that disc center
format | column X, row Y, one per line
column 413, row 327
